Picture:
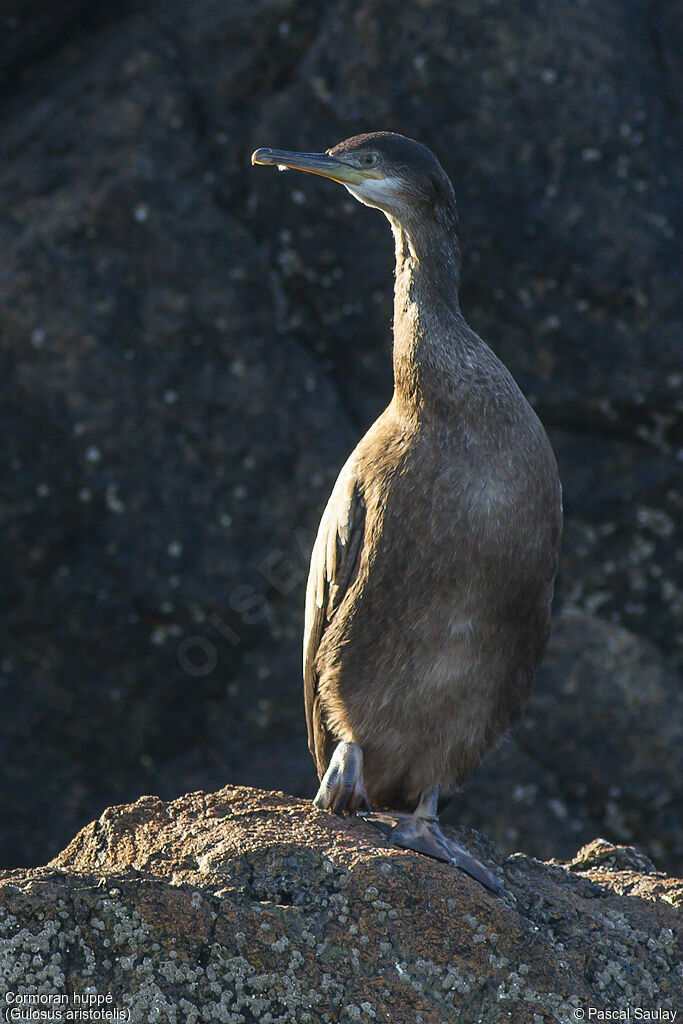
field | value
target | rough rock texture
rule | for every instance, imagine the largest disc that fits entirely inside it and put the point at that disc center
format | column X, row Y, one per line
column 600, row 749
column 245, row 905
column 190, row 348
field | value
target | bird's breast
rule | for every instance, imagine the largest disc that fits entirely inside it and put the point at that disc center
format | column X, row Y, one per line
column 455, row 528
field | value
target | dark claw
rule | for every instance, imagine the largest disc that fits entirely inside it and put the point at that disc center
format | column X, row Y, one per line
column 423, row 835
column 474, row 868
column 342, row 787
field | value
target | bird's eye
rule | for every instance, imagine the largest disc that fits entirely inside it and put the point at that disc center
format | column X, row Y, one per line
column 369, row 159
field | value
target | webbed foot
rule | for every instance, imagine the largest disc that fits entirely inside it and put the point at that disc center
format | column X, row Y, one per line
column 342, row 787
column 426, row 837
column 421, row 832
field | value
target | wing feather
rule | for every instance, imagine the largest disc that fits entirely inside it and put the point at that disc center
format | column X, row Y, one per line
column 334, row 564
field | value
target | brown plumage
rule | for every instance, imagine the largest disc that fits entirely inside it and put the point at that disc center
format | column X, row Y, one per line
column 431, row 578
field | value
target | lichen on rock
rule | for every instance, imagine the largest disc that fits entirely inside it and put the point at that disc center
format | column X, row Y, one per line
column 246, row 905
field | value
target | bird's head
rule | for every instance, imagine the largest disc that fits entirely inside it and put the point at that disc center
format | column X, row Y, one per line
column 395, row 174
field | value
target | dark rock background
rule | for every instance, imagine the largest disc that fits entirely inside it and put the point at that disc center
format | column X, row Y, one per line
column 191, row 347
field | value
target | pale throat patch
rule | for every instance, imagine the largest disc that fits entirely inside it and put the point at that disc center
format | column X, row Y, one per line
column 379, row 192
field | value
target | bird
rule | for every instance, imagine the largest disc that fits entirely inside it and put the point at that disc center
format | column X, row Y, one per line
column 432, row 573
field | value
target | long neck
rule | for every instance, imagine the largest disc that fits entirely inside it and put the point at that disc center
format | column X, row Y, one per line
column 433, row 347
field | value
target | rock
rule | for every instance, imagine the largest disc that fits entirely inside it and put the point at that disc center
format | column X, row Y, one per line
column 600, row 749
column 244, row 904
column 600, row 853
column 621, row 555
column 190, row 349
column 157, row 427
column 33, row 30
column 610, row 710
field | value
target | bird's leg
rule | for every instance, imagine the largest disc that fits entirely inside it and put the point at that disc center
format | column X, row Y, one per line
column 342, row 787
column 420, row 831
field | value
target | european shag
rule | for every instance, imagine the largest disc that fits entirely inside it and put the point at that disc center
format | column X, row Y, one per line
column 431, row 578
